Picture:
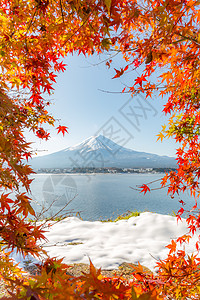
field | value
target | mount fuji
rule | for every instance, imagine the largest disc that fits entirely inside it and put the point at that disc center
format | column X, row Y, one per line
column 100, row 152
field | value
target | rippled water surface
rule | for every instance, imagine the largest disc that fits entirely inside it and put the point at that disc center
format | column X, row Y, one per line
column 101, row 196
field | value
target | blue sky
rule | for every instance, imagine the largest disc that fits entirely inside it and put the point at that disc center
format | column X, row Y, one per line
column 79, row 104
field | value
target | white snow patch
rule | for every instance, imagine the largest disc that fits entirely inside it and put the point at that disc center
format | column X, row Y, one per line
column 139, row 239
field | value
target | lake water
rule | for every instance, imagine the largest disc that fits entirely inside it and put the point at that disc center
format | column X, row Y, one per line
column 101, row 196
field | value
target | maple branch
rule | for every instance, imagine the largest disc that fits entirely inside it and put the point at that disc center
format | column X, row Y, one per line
column 58, row 213
column 128, row 50
column 31, row 21
column 155, row 189
column 136, row 91
column 101, row 62
column 188, row 38
column 44, row 210
column 63, row 17
column 182, row 276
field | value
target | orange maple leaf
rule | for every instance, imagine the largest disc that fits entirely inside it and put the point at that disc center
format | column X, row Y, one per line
column 172, row 247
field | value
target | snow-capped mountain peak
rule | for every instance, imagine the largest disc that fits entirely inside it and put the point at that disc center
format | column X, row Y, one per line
column 95, row 143
column 98, row 152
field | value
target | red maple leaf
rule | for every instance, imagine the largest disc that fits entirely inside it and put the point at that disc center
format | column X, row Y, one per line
column 181, row 211
column 136, row 63
column 118, row 73
column 139, row 80
column 62, row 129
column 168, row 107
column 182, row 202
column 144, row 188
column 42, row 134
column 27, row 155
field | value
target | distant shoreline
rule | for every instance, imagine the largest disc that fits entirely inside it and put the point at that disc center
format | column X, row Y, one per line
column 95, row 171
column 94, row 174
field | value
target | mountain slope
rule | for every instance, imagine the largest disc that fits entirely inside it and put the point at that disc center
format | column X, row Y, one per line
column 99, row 151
